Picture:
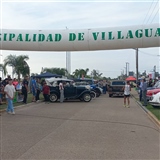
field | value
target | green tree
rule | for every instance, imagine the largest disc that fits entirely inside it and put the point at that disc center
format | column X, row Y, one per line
column 80, row 72
column 18, row 63
column 3, row 69
column 59, row 71
column 96, row 74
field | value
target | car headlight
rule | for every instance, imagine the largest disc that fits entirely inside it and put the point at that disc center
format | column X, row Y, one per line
column 88, row 87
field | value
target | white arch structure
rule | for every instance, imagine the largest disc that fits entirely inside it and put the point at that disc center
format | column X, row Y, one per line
column 111, row 38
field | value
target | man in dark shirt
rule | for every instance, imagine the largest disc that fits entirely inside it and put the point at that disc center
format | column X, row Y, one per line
column 5, row 82
column 144, row 91
column 25, row 89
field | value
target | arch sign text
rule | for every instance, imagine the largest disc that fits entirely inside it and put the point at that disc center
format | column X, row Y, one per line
column 141, row 36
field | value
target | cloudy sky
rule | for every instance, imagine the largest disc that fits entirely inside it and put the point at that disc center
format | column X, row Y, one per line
column 53, row 15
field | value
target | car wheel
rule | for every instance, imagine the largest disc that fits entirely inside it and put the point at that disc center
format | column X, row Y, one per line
column 93, row 94
column 98, row 92
column 110, row 95
column 87, row 97
column 53, row 97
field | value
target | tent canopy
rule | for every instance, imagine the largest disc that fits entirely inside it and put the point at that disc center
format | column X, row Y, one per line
column 47, row 75
column 130, row 78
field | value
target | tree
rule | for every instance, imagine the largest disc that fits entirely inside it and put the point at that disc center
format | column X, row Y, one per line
column 95, row 74
column 18, row 63
column 80, row 72
column 59, row 71
column 3, row 69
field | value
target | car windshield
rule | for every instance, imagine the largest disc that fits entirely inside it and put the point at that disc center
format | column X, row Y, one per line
column 118, row 83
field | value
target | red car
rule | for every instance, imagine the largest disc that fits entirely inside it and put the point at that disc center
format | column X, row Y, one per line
column 152, row 92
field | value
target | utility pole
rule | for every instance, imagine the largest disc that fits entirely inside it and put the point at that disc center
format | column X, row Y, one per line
column 126, row 69
column 154, row 70
column 137, row 64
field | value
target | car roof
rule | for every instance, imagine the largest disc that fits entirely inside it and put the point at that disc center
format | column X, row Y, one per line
column 58, row 79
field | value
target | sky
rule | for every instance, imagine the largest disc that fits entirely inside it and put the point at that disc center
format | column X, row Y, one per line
column 57, row 15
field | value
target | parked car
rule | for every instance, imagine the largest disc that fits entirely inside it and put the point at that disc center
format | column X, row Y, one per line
column 115, row 87
column 71, row 91
column 152, row 92
column 93, row 92
column 155, row 102
column 92, row 84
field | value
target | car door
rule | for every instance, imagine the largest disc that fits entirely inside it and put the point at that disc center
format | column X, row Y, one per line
column 69, row 91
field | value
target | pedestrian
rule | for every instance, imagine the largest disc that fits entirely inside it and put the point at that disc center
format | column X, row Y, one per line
column 5, row 82
column 19, row 91
column 144, row 91
column 127, row 89
column 1, row 91
column 34, row 89
column 25, row 89
column 61, row 89
column 140, row 89
column 9, row 90
column 46, row 92
column 104, row 86
column 38, row 88
column 15, row 82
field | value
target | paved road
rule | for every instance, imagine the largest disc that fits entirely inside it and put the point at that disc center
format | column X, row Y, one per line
column 100, row 129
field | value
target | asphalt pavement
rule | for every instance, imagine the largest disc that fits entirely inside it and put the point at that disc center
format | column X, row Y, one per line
column 100, row 129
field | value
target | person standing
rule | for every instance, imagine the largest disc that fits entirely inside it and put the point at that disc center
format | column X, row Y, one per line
column 9, row 90
column 104, row 86
column 61, row 89
column 1, row 91
column 38, row 88
column 34, row 89
column 15, row 82
column 144, row 91
column 127, row 89
column 25, row 89
column 46, row 92
column 140, row 89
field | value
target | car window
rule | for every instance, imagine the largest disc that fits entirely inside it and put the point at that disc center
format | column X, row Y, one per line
column 118, row 83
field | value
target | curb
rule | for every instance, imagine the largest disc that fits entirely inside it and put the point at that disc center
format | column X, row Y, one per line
column 150, row 114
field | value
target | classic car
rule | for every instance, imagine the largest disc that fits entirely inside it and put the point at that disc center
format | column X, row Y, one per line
column 92, row 84
column 152, row 92
column 71, row 91
column 155, row 102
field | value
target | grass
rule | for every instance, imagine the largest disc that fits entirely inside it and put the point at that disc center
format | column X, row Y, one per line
column 29, row 100
column 154, row 111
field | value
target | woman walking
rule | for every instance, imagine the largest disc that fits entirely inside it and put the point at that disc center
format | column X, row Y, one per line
column 127, row 89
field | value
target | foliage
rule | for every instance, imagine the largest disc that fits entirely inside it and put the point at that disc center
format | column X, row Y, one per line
column 59, row 71
column 19, row 64
column 79, row 73
column 4, row 69
column 96, row 74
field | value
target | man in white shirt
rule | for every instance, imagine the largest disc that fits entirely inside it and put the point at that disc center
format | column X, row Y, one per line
column 61, row 89
column 9, row 90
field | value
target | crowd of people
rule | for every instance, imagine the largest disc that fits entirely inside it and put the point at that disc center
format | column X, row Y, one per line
column 13, row 89
column 143, row 84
